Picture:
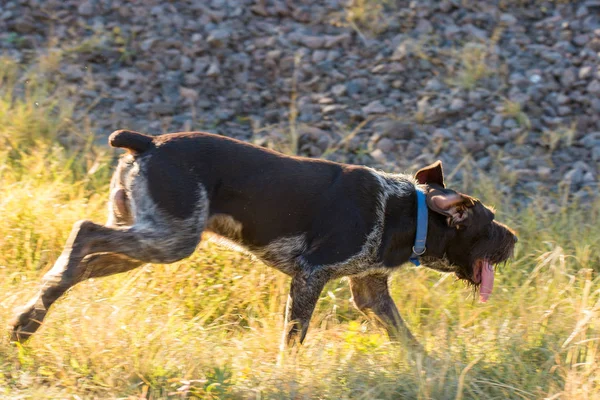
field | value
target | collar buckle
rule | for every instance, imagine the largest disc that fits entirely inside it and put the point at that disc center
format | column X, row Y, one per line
column 419, row 253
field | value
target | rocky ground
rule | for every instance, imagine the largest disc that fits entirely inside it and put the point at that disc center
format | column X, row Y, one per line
column 509, row 89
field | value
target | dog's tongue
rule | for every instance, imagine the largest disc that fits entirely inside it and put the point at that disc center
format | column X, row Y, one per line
column 487, row 280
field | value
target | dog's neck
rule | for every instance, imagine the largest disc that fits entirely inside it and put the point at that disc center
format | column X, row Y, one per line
column 398, row 240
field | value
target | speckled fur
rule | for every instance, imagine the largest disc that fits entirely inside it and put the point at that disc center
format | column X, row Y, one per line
column 94, row 250
column 159, row 239
column 314, row 220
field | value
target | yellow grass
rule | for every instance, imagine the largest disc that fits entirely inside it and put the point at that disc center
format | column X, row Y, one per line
column 209, row 326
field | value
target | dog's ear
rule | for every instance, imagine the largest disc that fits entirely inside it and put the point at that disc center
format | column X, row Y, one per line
column 455, row 206
column 431, row 174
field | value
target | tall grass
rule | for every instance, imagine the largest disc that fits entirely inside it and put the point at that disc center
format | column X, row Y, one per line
column 209, row 326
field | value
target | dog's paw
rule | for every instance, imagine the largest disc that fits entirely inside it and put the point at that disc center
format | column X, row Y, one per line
column 26, row 322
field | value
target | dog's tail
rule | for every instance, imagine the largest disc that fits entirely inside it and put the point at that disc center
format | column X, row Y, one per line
column 134, row 142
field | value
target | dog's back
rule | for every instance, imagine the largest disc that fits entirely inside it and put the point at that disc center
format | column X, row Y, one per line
column 268, row 195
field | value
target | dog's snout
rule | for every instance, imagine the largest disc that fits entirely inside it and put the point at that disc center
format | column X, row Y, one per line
column 515, row 238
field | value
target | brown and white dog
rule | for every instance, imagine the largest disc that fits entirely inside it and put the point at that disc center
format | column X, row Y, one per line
column 313, row 220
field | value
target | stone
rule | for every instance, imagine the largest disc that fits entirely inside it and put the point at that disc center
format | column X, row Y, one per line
column 395, row 129
column 379, row 156
column 457, row 105
column 568, row 78
column 25, row 25
column 214, row 69
column 497, row 123
column 581, row 40
column 562, row 99
column 578, row 174
column 218, row 37
column 312, row 42
column 339, row 90
column 186, row 64
column 442, row 133
column 473, row 126
column 423, row 27
column 434, row 85
column 318, row 56
column 510, row 123
column 508, row 19
column 385, row 144
column 596, row 153
column 126, row 77
column 594, row 88
column 354, row 87
column 331, row 108
column 374, row 107
column 163, row 108
column 404, row 50
column 544, row 172
column 451, row 31
column 484, row 162
column 333, row 41
column 86, row 9
column 535, row 78
column 484, row 132
column 551, row 56
column 591, row 139
column 224, row 114
column 190, row 95
column 585, row 72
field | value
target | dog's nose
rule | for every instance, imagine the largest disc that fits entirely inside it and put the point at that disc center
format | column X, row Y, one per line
column 515, row 238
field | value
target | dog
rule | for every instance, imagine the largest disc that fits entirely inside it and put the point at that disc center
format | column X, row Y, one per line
column 312, row 219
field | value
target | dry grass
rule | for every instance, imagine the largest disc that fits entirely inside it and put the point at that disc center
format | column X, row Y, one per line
column 561, row 136
column 513, row 109
column 476, row 62
column 367, row 16
column 209, row 326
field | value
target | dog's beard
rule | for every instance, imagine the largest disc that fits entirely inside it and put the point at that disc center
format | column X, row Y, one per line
column 439, row 264
column 480, row 278
column 444, row 265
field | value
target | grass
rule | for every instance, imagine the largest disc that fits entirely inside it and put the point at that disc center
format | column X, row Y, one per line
column 513, row 109
column 209, row 326
column 287, row 139
column 474, row 66
column 554, row 138
column 367, row 16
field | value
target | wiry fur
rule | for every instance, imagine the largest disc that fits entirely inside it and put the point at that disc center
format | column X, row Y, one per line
column 313, row 220
column 226, row 226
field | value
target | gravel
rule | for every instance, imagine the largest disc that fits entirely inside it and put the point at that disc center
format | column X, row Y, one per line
column 434, row 82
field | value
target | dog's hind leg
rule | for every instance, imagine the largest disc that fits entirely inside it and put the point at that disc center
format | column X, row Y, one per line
column 57, row 281
column 151, row 243
column 371, row 296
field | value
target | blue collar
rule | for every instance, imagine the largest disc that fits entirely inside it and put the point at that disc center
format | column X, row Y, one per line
column 421, row 236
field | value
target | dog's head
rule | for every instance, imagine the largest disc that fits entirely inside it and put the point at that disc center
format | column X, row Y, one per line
column 463, row 236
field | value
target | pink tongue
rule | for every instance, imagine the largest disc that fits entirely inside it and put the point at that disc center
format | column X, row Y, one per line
column 487, row 281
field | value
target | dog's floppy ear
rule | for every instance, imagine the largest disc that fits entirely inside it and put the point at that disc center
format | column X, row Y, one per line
column 455, row 206
column 431, row 174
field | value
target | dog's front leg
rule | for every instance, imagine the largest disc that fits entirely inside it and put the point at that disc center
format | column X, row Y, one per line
column 371, row 296
column 304, row 293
